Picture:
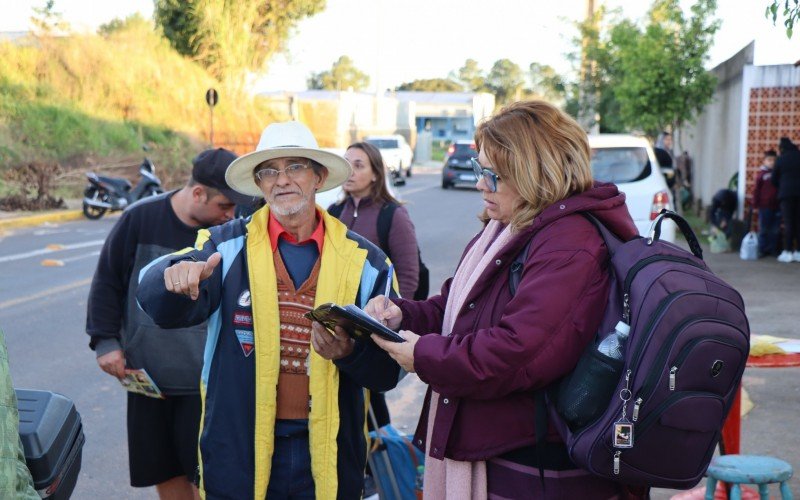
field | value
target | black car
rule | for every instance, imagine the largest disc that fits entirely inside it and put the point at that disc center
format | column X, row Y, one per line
column 457, row 167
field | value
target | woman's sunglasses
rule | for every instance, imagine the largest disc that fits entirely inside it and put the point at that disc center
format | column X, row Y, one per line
column 490, row 177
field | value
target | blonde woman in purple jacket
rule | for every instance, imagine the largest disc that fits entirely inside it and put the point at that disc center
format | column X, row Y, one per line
column 485, row 352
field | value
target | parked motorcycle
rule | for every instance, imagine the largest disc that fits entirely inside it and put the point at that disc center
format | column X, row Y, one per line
column 110, row 193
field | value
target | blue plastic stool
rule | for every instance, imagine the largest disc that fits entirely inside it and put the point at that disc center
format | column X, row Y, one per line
column 749, row 469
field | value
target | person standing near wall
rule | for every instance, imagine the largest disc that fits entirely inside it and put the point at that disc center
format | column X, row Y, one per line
column 786, row 177
column 765, row 200
column 685, row 165
column 666, row 160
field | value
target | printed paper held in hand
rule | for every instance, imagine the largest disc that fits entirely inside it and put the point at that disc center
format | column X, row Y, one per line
column 139, row 381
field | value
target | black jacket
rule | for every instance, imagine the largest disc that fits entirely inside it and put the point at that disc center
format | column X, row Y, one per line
column 145, row 231
column 786, row 175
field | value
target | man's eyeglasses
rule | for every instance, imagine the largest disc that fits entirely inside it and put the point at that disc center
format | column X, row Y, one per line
column 490, row 177
column 271, row 174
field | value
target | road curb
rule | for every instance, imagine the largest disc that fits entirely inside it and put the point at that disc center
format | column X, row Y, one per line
column 33, row 220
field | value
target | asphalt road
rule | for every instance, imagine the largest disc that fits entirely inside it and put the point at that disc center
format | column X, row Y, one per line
column 43, row 313
column 45, row 273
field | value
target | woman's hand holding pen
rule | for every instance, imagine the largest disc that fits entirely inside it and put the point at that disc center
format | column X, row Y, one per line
column 384, row 311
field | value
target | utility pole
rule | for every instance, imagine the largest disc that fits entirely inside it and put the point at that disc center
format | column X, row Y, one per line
column 587, row 98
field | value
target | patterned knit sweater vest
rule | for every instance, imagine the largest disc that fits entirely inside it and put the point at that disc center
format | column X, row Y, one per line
column 293, row 395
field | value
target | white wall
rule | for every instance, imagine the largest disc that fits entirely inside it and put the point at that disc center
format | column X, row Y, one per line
column 714, row 141
column 781, row 75
column 482, row 107
column 718, row 140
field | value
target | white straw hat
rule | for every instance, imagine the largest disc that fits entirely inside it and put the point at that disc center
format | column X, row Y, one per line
column 281, row 140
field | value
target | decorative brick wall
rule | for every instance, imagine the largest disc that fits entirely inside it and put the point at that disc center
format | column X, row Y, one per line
column 774, row 113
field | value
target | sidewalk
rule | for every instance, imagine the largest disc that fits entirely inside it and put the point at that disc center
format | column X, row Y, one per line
column 9, row 220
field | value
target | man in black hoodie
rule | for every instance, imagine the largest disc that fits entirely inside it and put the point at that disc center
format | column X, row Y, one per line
column 786, row 178
column 162, row 433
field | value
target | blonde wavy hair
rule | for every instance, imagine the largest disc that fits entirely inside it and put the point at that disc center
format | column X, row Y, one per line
column 539, row 150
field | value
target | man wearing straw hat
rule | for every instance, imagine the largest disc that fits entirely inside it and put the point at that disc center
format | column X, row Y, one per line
column 284, row 408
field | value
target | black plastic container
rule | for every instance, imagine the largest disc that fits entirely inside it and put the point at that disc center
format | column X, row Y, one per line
column 52, row 435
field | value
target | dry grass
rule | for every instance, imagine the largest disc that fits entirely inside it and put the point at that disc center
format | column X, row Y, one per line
column 89, row 100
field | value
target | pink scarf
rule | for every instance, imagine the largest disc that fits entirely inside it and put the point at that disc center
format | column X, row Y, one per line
column 452, row 479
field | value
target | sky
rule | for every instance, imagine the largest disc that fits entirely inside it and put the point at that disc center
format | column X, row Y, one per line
column 395, row 42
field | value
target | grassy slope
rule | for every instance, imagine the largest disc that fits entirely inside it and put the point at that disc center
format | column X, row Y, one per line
column 90, row 100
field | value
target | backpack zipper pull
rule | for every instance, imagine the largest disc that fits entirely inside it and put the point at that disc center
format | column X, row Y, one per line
column 616, row 462
column 672, row 372
column 636, row 407
column 625, row 394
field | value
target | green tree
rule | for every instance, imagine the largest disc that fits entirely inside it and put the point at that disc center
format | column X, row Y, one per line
column 471, row 77
column 658, row 75
column 116, row 25
column 593, row 95
column 432, row 85
column 790, row 14
column 230, row 38
column 46, row 20
column 545, row 82
column 342, row 76
column 505, row 80
column 646, row 76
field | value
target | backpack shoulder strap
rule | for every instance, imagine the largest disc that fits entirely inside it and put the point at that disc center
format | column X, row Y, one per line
column 336, row 209
column 515, row 273
column 385, row 225
column 611, row 240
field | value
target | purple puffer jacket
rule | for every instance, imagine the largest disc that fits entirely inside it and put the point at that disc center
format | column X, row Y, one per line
column 503, row 348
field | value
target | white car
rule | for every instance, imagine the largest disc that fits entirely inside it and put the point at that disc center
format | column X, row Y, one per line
column 328, row 198
column 630, row 163
column 396, row 152
column 331, row 196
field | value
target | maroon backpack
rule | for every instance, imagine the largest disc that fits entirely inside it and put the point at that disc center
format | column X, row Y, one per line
column 655, row 417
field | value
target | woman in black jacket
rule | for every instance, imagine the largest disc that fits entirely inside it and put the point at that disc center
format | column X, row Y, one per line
column 786, row 178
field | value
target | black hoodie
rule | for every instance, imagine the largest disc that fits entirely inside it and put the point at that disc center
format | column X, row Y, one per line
column 786, row 175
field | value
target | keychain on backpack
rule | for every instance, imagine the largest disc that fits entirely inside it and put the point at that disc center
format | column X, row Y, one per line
column 623, row 428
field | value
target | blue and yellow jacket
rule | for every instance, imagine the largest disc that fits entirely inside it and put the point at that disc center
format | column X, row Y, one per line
column 239, row 391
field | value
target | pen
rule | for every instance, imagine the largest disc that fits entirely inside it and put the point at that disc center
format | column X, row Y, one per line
column 389, row 277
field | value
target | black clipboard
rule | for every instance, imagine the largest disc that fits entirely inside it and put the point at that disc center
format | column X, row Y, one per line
column 353, row 320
